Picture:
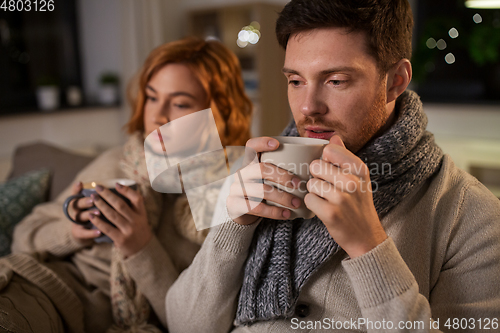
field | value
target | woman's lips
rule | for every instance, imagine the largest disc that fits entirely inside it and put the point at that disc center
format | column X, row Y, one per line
column 155, row 137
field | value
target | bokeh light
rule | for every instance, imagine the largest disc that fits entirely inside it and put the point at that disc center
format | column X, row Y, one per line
column 244, row 35
column 449, row 58
column 453, row 33
column 249, row 34
column 430, row 67
column 441, row 44
column 431, row 43
column 477, row 18
column 256, row 25
column 241, row 43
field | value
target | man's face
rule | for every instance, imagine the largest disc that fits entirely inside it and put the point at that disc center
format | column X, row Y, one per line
column 334, row 86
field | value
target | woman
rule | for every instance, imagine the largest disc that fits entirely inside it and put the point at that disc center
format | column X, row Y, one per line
column 72, row 282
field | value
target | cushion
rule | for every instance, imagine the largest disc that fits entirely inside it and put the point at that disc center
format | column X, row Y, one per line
column 63, row 165
column 17, row 198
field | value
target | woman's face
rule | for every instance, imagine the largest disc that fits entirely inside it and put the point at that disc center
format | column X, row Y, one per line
column 173, row 92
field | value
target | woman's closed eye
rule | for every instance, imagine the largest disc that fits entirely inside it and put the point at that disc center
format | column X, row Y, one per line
column 182, row 106
column 151, row 98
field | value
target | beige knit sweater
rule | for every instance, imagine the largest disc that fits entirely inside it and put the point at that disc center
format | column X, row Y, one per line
column 86, row 270
column 441, row 261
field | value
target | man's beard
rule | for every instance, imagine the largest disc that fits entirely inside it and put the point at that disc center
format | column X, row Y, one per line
column 374, row 124
column 355, row 138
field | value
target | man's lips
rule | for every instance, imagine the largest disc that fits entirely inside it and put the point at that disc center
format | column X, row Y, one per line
column 317, row 129
column 319, row 132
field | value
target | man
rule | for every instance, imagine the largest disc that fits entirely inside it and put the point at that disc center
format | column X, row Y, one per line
column 417, row 252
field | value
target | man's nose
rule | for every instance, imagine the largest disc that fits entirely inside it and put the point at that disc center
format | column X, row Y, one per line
column 313, row 103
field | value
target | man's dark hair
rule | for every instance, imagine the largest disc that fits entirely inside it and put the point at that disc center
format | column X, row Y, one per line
column 387, row 23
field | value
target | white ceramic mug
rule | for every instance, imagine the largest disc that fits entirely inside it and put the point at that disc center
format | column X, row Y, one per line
column 294, row 154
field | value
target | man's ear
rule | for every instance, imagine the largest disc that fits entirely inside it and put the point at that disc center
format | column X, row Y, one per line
column 398, row 78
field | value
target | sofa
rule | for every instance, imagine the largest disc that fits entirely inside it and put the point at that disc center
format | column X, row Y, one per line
column 40, row 172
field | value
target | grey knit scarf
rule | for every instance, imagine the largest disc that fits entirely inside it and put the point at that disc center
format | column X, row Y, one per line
column 285, row 254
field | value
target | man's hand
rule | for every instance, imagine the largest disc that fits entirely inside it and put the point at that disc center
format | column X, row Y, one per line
column 340, row 195
column 245, row 202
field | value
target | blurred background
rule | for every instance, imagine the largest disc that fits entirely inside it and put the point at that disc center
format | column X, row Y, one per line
column 64, row 71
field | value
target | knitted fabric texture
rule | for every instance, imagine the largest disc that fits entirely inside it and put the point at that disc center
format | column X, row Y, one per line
column 285, row 254
column 130, row 308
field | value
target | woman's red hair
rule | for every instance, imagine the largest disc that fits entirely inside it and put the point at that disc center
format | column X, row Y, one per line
column 218, row 71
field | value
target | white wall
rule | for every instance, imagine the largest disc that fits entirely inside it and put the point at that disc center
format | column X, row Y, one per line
column 469, row 133
column 117, row 35
column 100, row 42
column 87, row 131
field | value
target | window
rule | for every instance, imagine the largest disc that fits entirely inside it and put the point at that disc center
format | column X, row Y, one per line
column 37, row 48
column 456, row 55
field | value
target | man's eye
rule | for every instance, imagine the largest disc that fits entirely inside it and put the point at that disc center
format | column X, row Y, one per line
column 294, row 83
column 337, row 82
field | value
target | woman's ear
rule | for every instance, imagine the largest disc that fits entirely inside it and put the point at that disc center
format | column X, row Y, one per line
column 398, row 78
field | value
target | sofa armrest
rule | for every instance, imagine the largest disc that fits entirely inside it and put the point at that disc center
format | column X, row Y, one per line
column 62, row 164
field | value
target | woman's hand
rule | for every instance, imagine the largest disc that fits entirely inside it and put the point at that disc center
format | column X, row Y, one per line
column 131, row 230
column 78, row 210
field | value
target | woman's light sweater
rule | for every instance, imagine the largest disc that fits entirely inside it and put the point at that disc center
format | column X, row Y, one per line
column 85, row 270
